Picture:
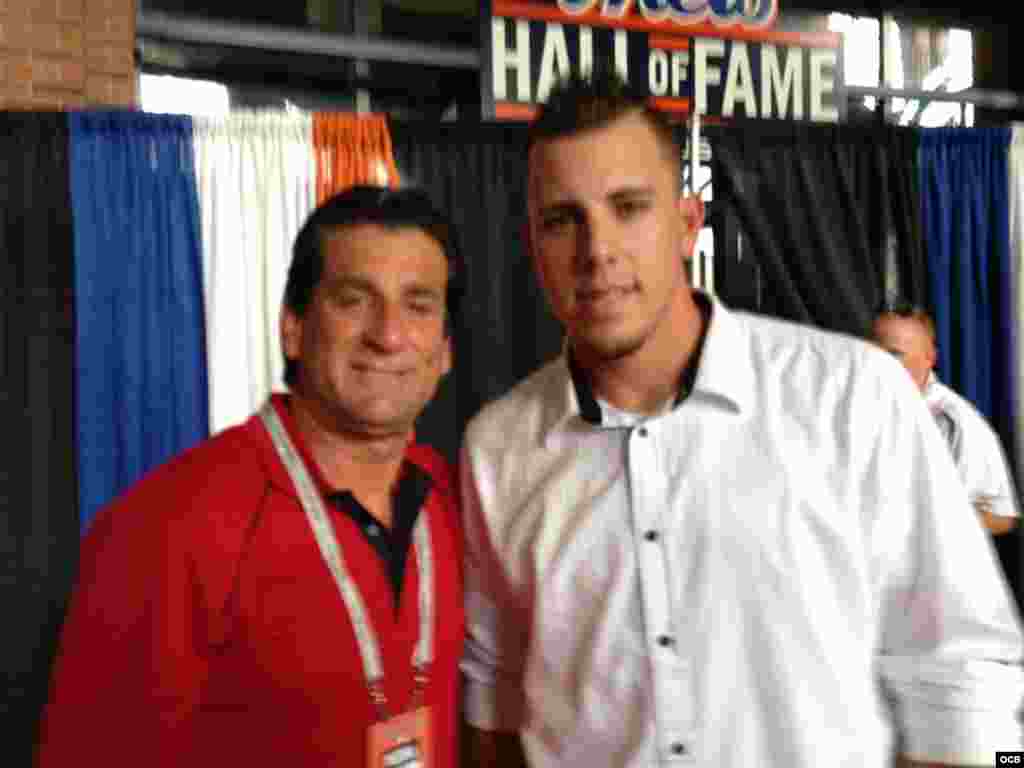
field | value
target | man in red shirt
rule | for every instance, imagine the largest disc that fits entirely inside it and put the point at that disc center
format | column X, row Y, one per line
column 289, row 592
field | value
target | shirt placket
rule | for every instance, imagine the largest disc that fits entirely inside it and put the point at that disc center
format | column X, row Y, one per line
column 670, row 661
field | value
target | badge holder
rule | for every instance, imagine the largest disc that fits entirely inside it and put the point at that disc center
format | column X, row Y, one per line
column 402, row 741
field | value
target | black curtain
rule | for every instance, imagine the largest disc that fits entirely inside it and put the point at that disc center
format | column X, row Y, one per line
column 823, row 210
column 39, row 532
column 476, row 172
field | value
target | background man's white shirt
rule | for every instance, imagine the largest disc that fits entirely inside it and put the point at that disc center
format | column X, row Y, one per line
column 976, row 449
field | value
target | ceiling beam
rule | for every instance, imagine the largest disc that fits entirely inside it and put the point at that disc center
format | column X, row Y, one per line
column 163, row 26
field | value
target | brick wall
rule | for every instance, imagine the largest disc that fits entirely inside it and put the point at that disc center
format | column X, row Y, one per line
column 66, row 53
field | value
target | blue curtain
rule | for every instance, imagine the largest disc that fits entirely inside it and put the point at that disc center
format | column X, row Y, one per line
column 964, row 209
column 140, row 361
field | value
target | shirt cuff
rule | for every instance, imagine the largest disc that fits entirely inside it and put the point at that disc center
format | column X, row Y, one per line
column 959, row 738
column 488, row 710
column 961, row 726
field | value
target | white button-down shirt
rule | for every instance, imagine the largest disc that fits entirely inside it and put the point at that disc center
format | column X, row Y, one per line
column 975, row 447
column 765, row 575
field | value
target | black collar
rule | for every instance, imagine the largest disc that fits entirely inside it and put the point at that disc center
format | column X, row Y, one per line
column 589, row 408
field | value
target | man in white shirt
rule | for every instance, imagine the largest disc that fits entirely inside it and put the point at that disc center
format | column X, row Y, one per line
column 702, row 538
column 908, row 333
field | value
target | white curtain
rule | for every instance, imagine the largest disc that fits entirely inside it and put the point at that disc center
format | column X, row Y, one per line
column 1016, row 165
column 256, row 179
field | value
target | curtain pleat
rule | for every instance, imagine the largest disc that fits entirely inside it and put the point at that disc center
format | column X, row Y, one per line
column 965, row 210
column 140, row 361
column 256, row 174
column 39, row 517
column 351, row 150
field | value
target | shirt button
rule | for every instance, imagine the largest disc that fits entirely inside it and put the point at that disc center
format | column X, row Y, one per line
column 642, row 431
column 678, row 748
column 651, row 535
column 665, row 641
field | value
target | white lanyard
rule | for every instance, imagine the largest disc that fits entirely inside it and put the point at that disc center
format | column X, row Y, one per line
column 313, row 504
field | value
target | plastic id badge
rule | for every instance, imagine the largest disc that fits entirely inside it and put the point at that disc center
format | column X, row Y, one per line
column 402, row 741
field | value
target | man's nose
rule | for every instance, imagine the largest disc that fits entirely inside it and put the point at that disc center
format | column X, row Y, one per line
column 387, row 328
column 597, row 244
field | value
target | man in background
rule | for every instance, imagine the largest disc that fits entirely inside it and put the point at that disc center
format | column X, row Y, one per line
column 908, row 333
column 288, row 593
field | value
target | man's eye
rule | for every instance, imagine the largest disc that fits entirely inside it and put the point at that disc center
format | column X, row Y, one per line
column 554, row 221
column 628, row 208
column 423, row 307
column 347, row 298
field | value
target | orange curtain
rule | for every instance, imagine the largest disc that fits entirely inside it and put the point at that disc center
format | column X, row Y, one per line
column 351, row 149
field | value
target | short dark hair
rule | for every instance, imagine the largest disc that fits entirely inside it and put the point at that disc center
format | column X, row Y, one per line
column 910, row 311
column 391, row 208
column 579, row 103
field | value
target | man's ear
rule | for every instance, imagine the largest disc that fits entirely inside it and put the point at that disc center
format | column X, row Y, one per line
column 691, row 211
column 291, row 333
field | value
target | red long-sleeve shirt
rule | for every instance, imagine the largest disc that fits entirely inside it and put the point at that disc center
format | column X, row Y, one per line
column 205, row 628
